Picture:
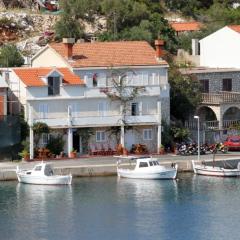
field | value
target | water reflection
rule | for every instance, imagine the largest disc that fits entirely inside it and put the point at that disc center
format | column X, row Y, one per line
column 147, row 190
column 41, row 206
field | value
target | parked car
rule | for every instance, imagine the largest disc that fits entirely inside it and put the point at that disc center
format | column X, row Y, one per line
column 232, row 142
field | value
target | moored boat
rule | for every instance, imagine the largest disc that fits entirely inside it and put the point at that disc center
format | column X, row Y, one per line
column 42, row 174
column 203, row 169
column 146, row 168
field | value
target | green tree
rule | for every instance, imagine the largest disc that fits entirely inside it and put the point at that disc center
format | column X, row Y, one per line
column 69, row 24
column 185, row 93
column 67, row 27
column 10, row 56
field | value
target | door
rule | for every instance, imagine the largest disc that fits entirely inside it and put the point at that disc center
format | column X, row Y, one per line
column 76, row 144
column 129, row 139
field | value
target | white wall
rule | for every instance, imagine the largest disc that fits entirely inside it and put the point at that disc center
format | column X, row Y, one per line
column 49, row 58
column 221, row 49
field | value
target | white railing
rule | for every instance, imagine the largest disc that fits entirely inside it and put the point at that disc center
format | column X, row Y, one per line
column 212, row 125
column 94, row 121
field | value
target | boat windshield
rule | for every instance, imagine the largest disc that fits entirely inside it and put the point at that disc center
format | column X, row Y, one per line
column 48, row 171
column 154, row 163
column 143, row 164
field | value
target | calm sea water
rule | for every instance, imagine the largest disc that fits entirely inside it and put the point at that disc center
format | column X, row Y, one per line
column 194, row 207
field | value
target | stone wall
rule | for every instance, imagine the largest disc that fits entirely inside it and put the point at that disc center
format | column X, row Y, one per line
column 215, row 80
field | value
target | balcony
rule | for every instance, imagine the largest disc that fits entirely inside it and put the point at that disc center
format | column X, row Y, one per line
column 99, row 121
column 220, row 97
column 212, row 125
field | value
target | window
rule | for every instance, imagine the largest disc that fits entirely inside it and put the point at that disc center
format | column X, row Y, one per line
column 75, row 109
column 135, row 109
column 94, row 78
column 44, row 139
column 53, row 86
column 147, row 134
column 100, row 136
column 205, row 85
column 7, row 77
column 102, row 109
column 38, row 168
column 43, row 110
column 227, row 84
column 143, row 164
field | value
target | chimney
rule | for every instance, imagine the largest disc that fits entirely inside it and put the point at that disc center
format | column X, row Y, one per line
column 195, row 47
column 68, row 47
column 159, row 48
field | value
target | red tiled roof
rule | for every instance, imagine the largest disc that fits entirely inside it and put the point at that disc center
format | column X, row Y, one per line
column 110, row 54
column 235, row 28
column 186, row 26
column 31, row 77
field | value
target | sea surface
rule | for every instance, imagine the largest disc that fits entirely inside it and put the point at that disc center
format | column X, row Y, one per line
column 194, row 207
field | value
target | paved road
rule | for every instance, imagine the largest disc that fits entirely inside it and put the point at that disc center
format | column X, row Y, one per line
column 104, row 161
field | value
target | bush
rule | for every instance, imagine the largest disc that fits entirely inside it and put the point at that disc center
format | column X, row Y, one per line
column 55, row 144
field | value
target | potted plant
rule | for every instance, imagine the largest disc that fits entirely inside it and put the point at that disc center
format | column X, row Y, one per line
column 73, row 153
column 24, row 154
column 162, row 149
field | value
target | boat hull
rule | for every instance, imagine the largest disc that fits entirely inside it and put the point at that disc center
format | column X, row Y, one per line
column 169, row 174
column 45, row 180
column 215, row 171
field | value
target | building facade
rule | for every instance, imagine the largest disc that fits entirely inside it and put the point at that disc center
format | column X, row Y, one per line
column 69, row 89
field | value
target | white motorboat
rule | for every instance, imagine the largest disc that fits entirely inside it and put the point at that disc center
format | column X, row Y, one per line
column 42, row 173
column 145, row 168
column 203, row 169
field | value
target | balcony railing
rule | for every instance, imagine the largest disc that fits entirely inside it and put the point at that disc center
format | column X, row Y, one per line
column 94, row 121
column 212, row 125
column 221, row 97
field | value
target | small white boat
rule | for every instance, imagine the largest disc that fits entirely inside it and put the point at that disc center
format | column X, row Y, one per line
column 146, row 168
column 42, row 174
column 203, row 169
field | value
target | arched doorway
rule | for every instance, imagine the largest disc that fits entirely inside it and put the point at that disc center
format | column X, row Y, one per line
column 206, row 114
column 232, row 113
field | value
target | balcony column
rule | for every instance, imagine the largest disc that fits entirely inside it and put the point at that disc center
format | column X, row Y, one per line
column 70, row 141
column 159, row 138
column 70, row 131
column 31, row 140
column 159, row 131
column 122, row 136
column 140, row 108
column 31, row 134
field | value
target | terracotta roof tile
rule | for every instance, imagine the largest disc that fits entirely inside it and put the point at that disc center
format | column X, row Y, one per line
column 31, row 77
column 186, row 26
column 110, row 54
column 235, row 28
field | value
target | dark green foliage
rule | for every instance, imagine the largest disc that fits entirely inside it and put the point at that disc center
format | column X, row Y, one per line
column 185, row 93
column 10, row 56
column 55, row 144
column 137, row 20
column 39, row 128
column 74, row 10
column 24, row 127
column 68, row 27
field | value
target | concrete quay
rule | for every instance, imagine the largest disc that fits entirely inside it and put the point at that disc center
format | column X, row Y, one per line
column 106, row 166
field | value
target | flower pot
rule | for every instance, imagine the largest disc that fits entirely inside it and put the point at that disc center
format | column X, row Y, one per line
column 26, row 157
column 73, row 155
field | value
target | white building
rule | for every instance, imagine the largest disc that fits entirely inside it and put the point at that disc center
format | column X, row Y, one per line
column 221, row 49
column 67, row 84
